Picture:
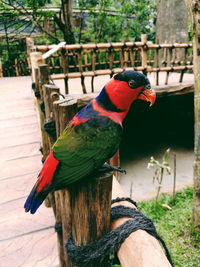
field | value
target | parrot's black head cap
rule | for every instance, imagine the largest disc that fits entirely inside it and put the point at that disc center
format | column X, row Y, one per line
column 133, row 78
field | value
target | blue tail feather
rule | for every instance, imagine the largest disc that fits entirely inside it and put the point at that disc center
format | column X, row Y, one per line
column 34, row 200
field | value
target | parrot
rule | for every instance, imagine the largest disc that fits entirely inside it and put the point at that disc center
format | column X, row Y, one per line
column 91, row 137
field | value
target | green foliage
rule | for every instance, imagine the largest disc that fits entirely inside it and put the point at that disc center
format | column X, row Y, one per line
column 175, row 226
column 98, row 21
column 116, row 22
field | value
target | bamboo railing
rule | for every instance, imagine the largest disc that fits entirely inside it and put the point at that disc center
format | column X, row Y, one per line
column 90, row 60
column 20, row 68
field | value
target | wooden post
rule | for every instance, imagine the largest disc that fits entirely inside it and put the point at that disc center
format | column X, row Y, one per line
column 50, row 94
column 29, row 45
column 36, row 60
column 196, row 56
column 115, row 161
column 16, row 67
column 43, row 79
column 64, row 61
column 144, row 53
column 63, row 111
column 1, row 69
column 29, row 49
column 140, row 249
column 90, row 207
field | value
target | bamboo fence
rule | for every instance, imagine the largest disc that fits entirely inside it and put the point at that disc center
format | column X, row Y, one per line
column 91, row 60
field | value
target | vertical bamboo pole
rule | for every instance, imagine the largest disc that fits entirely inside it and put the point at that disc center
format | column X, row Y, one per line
column 144, row 53
column 94, row 51
column 1, row 69
column 196, row 54
column 65, row 62
column 16, row 67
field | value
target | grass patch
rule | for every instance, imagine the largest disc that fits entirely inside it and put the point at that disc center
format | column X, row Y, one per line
column 175, row 226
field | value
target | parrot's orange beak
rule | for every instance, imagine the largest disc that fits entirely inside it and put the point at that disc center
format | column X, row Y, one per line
column 148, row 95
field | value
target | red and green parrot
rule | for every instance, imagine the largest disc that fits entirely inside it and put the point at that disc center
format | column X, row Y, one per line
column 91, row 137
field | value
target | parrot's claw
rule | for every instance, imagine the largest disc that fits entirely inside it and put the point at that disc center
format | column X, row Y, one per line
column 107, row 168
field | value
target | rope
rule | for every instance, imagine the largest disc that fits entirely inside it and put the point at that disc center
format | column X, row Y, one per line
column 98, row 251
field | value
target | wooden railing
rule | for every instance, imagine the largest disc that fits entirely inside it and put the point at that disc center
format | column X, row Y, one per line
column 20, row 68
column 90, row 60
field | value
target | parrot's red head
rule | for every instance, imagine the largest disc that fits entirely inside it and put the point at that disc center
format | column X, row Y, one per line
column 128, row 86
column 121, row 91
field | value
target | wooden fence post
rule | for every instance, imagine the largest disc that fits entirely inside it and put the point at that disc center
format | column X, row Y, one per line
column 63, row 111
column 1, row 69
column 36, row 60
column 144, row 53
column 90, row 207
column 29, row 49
column 90, row 203
column 17, row 68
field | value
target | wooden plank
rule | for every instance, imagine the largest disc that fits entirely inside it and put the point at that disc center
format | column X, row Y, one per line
column 23, row 150
column 20, row 166
column 37, row 249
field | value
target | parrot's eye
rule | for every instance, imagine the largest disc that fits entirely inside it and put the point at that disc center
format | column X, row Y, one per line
column 132, row 84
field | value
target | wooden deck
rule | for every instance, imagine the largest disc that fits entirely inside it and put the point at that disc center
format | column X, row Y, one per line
column 25, row 240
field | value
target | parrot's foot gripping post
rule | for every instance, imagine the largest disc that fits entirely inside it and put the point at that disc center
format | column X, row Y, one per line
column 107, row 168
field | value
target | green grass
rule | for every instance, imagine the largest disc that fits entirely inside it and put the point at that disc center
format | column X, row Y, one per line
column 175, row 226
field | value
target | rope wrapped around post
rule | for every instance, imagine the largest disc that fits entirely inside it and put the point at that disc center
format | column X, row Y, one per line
column 99, row 250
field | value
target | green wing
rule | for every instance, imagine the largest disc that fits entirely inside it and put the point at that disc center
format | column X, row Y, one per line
column 83, row 148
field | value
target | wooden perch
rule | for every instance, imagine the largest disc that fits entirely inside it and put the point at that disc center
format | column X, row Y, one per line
column 63, row 111
column 90, row 205
column 140, row 249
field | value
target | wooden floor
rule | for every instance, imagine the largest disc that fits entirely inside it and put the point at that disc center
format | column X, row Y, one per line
column 25, row 240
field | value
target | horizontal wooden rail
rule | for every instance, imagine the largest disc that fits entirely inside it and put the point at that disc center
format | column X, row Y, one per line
column 148, row 45
column 91, row 60
column 74, row 75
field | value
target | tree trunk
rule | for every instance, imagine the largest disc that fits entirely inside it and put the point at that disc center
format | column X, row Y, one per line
column 65, row 23
column 172, row 21
column 195, row 5
column 172, row 27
